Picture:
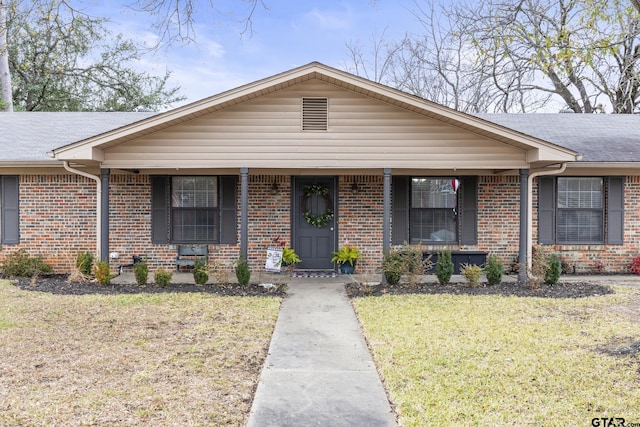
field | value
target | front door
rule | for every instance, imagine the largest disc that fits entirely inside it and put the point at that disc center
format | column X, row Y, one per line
column 314, row 221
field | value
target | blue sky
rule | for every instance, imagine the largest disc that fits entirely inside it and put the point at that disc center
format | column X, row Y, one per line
column 289, row 34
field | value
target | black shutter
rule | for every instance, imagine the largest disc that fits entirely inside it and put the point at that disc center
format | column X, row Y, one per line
column 228, row 209
column 546, row 210
column 400, row 187
column 469, row 213
column 160, row 209
column 10, row 210
column 615, row 211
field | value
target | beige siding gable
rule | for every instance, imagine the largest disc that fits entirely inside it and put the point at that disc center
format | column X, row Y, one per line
column 362, row 133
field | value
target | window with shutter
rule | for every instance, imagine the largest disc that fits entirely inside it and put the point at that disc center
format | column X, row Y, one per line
column 194, row 209
column 432, row 215
column 580, row 210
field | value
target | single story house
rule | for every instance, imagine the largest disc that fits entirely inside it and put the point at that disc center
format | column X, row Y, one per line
column 317, row 158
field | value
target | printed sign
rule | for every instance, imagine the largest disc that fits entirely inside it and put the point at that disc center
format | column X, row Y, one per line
column 274, row 260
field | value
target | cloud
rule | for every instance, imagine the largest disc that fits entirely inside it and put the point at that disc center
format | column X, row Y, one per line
column 330, row 19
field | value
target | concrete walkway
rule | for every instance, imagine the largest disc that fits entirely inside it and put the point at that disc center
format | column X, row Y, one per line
column 319, row 371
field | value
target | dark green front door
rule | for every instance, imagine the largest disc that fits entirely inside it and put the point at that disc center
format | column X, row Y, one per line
column 314, row 243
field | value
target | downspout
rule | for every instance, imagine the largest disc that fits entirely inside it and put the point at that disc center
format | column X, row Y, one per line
column 98, row 181
column 561, row 169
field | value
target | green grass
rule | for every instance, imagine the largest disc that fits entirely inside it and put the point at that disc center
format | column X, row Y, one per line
column 489, row 360
column 144, row 359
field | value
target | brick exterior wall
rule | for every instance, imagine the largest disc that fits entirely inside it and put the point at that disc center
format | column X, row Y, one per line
column 57, row 219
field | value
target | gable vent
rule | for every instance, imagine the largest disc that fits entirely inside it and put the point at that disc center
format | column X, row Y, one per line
column 314, row 113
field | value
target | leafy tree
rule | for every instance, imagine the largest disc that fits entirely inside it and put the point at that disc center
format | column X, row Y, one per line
column 64, row 60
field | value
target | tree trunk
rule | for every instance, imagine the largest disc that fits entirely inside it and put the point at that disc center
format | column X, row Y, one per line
column 5, row 75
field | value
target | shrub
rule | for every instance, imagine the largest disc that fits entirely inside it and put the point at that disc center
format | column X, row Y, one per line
column 472, row 273
column 200, row 272
column 84, row 263
column 20, row 264
column 102, row 271
column 494, row 270
column 553, row 270
column 393, row 267
column 162, row 277
column 141, row 270
column 408, row 261
column 243, row 273
column 635, row 265
column 444, row 267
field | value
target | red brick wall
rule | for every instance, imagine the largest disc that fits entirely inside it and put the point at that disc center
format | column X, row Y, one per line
column 608, row 258
column 57, row 219
column 360, row 218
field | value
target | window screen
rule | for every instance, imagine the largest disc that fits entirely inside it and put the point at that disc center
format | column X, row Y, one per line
column 432, row 216
column 580, row 217
column 194, row 209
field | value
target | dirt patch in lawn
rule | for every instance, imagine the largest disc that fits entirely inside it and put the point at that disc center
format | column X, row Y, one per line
column 560, row 290
column 59, row 284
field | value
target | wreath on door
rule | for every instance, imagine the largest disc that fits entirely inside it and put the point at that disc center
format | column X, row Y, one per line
column 322, row 219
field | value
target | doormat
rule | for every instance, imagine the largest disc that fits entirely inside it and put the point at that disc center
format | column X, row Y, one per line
column 313, row 273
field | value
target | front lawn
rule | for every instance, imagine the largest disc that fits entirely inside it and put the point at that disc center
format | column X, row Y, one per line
column 130, row 359
column 505, row 360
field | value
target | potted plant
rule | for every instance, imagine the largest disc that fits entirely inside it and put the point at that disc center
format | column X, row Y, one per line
column 346, row 258
column 289, row 257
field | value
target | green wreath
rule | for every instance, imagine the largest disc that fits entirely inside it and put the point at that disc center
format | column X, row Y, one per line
column 322, row 219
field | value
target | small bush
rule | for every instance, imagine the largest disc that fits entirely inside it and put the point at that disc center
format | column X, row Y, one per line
column 102, row 272
column 162, row 277
column 243, row 273
column 200, row 272
column 141, row 270
column 393, row 267
column 444, row 267
column 407, row 260
column 20, row 264
column 472, row 273
column 635, row 265
column 553, row 270
column 84, row 263
column 494, row 270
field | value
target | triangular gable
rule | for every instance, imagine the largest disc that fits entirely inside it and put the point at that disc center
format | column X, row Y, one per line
column 179, row 125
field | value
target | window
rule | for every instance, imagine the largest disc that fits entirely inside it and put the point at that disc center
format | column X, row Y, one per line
column 433, row 211
column 581, row 210
column 194, row 209
column 580, row 214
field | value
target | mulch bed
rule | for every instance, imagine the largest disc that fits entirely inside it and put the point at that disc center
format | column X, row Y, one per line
column 560, row 290
column 59, row 284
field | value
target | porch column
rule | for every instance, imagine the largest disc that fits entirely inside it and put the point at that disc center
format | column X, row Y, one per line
column 104, row 215
column 244, row 212
column 524, row 220
column 386, row 202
